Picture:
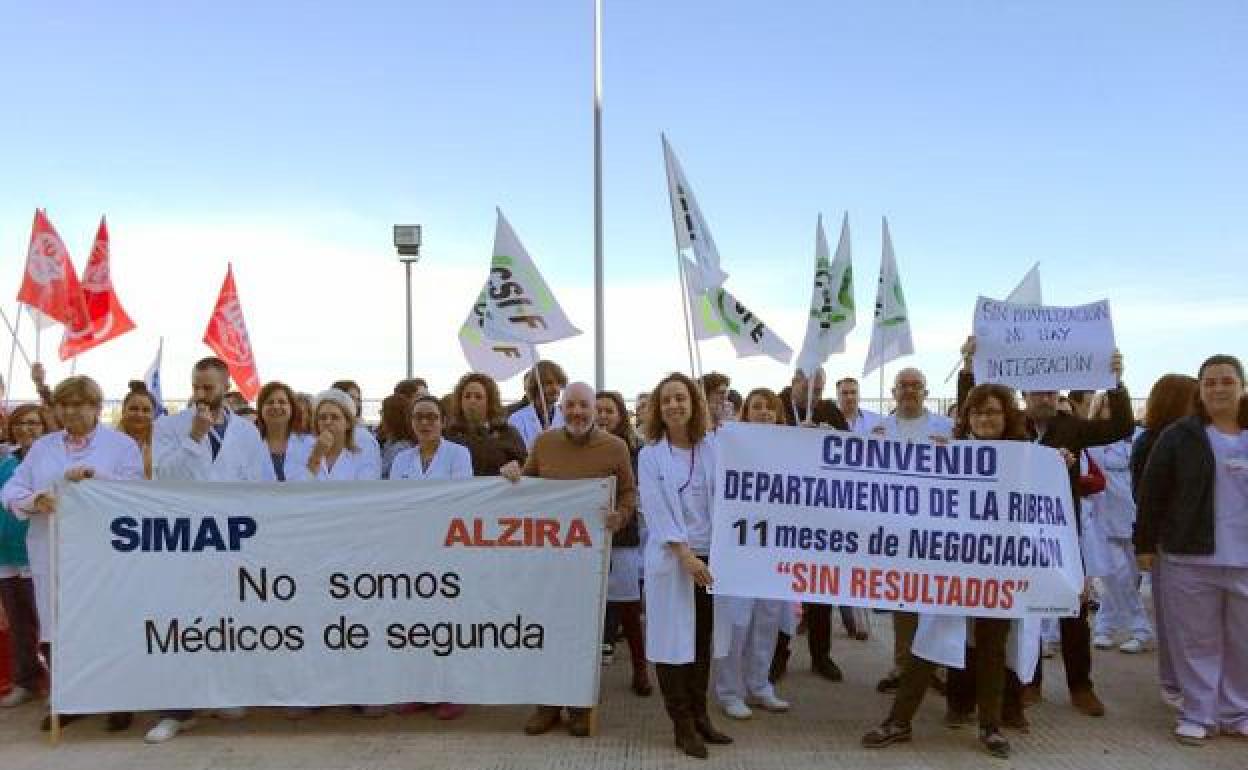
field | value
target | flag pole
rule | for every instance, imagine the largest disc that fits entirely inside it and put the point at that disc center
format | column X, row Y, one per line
column 8, row 378
column 685, row 299
column 599, row 293
column 541, row 391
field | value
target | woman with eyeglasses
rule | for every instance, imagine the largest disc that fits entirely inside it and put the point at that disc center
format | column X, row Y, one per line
column 84, row 449
column 1193, row 513
column 17, row 589
column 990, row 413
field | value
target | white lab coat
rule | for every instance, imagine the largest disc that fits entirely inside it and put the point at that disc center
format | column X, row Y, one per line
column 112, row 454
column 669, row 589
column 450, row 461
column 936, row 425
column 865, row 421
column 525, row 421
column 350, row 466
column 942, row 639
column 298, row 450
column 368, row 444
column 176, row 456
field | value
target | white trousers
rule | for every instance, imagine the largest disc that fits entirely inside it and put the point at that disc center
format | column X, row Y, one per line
column 1122, row 608
column 743, row 671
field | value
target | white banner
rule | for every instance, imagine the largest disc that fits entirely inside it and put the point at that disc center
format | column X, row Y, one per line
column 211, row 595
column 974, row 528
column 1043, row 347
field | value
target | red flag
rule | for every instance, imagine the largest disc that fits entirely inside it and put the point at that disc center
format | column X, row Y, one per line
column 108, row 317
column 50, row 284
column 227, row 336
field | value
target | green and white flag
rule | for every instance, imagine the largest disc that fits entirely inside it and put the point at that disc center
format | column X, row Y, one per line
column 890, row 335
column 501, row 359
column 716, row 312
column 831, row 301
column 693, row 236
column 519, row 306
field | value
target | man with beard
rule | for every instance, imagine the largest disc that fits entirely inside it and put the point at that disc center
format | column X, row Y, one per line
column 1070, row 434
column 206, row 442
column 579, row 450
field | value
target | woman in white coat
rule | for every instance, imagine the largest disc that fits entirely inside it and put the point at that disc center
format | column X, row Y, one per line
column 84, row 449
column 675, row 477
column 335, row 456
column 433, row 457
column 1113, row 513
column 978, row 673
column 741, row 677
column 288, row 448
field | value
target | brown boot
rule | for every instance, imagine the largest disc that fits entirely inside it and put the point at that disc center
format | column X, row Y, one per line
column 578, row 722
column 630, row 621
column 1086, row 702
column 688, row 740
column 543, row 720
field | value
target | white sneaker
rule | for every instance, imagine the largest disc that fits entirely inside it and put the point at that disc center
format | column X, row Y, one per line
column 1134, row 646
column 166, row 729
column 768, row 702
column 16, row 697
column 1102, row 642
column 736, row 708
column 608, row 654
column 1173, row 699
column 1189, row 734
column 232, row 714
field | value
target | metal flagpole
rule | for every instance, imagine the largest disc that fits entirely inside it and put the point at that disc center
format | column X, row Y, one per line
column 8, row 378
column 685, row 301
column 599, row 293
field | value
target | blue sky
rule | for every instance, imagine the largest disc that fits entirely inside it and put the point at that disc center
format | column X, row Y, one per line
column 1105, row 140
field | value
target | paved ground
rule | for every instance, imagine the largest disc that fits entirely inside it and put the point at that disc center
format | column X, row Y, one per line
column 822, row 731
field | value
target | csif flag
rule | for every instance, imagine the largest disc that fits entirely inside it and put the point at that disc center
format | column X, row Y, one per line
column 831, row 316
column 890, row 333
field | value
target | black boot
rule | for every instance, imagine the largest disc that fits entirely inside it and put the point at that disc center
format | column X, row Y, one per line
column 779, row 660
column 699, row 681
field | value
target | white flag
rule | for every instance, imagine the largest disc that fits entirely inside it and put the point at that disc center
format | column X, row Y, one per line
column 716, row 312
column 1028, row 292
column 692, row 233
column 831, row 301
column 890, row 334
column 152, row 380
column 519, row 306
column 500, row 359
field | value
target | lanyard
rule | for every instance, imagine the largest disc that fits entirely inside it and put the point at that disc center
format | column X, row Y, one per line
column 693, row 460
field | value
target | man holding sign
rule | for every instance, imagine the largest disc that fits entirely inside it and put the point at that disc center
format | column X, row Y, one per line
column 1071, row 435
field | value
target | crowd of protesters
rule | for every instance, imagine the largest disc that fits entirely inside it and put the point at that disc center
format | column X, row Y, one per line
column 1163, row 497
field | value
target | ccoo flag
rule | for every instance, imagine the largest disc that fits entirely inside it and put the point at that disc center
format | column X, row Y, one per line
column 108, row 317
column 227, row 336
column 50, row 284
column 890, row 334
column 831, row 301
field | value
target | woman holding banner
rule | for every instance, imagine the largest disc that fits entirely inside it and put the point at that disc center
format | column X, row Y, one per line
column 477, row 422
column 335, row 456
column 84, row 449
column 1193, row 508
column 288, row 447
column 741, row 677
column 977, row 675
column 676, row 481
column 17, row 590
column 624, row 581
column 433, row 457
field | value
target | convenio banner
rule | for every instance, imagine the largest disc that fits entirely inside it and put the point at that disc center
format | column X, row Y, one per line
column 964, row 528
column 194, row 595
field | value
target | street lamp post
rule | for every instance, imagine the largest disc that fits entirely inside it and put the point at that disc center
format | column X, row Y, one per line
column 407, row 244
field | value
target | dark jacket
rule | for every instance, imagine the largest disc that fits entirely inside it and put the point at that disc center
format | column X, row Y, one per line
column 1140, row 450
column 491, row 446
column 1074, row 434
column 827, row 413
column 629, row 536
column 1175, row 505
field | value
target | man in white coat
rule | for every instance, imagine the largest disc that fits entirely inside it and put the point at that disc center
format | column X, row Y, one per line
column 205, row 442
column 529, row 421
column 911, row 421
